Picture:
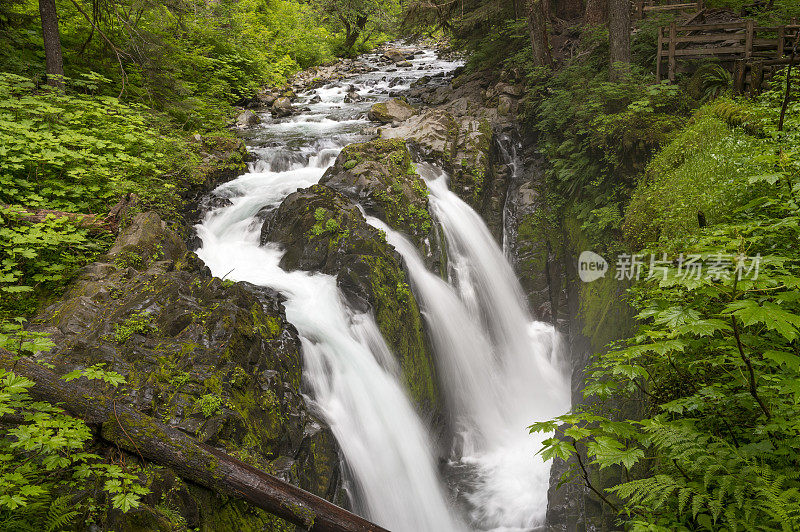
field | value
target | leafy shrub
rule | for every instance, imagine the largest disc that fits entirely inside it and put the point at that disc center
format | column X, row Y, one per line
column 715, row 356
column 48, row 478
column 76, row 154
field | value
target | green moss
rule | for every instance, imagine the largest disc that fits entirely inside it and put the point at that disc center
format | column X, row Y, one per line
column 399, row 320
column 304, row 514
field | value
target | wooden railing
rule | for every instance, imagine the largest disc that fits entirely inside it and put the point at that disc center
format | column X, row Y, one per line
column 642, row 8
column 725, row 42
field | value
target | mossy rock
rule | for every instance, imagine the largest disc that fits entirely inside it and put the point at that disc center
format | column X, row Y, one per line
column 394, row 110
column 323, row 230
column 380, row 177
column 213, row 358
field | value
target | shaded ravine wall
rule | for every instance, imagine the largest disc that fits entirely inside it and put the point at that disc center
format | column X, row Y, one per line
column 544, row 244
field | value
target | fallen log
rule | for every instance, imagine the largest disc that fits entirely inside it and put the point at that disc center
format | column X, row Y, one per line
column 194, row 461
column 92, row 222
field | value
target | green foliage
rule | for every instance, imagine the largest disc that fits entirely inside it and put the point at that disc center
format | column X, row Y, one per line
column 715, row 356
column 138, row 323
column 48, row 478
column 189, row 58
column 96, row 372
column 208, row 404
column 76, row 154
column 597, row 134
column 360, row 24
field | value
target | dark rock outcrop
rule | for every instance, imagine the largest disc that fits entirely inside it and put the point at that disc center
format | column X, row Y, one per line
column 215, row 359
column 379, row 176
column 323, row 230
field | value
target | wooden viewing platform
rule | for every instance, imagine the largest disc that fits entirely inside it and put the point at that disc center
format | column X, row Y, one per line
column 744, row 44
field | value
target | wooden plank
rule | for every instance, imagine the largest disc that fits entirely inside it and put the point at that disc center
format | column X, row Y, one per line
column 756, row 77
column 739, row 72
column 673, row 29
column 772, row 43
column 738, row 36
column 674, row 7
column 714, row 27
column 723, row 50
column 748, row 43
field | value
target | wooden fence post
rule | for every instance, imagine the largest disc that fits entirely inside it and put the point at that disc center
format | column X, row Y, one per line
column 781, row 40
column 673, row 33
column 748, row 40
column 756, row 77
column 659, row 47
column 739, row 72
column 699, row 5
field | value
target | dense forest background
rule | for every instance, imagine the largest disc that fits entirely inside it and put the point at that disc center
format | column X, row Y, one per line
column 711, row 366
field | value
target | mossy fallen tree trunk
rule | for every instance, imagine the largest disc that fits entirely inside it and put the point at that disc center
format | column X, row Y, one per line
column 196, row 462
column 94, row 223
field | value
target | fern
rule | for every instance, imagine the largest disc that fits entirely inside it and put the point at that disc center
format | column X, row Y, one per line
column 61, row 514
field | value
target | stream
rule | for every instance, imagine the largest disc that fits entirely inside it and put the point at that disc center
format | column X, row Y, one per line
column 499, row 370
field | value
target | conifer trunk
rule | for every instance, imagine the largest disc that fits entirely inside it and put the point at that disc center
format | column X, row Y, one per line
column 619, row 33
column 596, row 12
column 52, row 43
column 537, row 27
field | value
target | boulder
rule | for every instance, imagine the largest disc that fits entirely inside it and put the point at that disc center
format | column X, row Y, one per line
column 282, row 107
column 404, row 64
column 511, row 90
column 394, row 110
column 352, row 97
column 146, row 239
column 247, row 118
column 379, row 176
column 394, row 55
column 506, row 105
column 266, row 97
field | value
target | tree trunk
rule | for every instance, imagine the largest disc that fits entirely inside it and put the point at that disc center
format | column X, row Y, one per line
column 596, row 12
column 352, row 36
column 619, row 35
column 92, row 222
column 537, row 27
column 143, row 436
column 52, row 43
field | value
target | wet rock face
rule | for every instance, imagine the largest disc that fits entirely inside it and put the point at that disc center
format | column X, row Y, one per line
column 215, row 359
column 282, row 107
column 394, row 110
column 458, row 129
column 324, row 230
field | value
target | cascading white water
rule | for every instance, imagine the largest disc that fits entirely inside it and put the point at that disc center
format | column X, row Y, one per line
column 353, row 377
column 499, row 368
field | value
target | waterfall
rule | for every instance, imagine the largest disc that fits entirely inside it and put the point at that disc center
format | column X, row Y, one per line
column 353, row 378
column 500, row 370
